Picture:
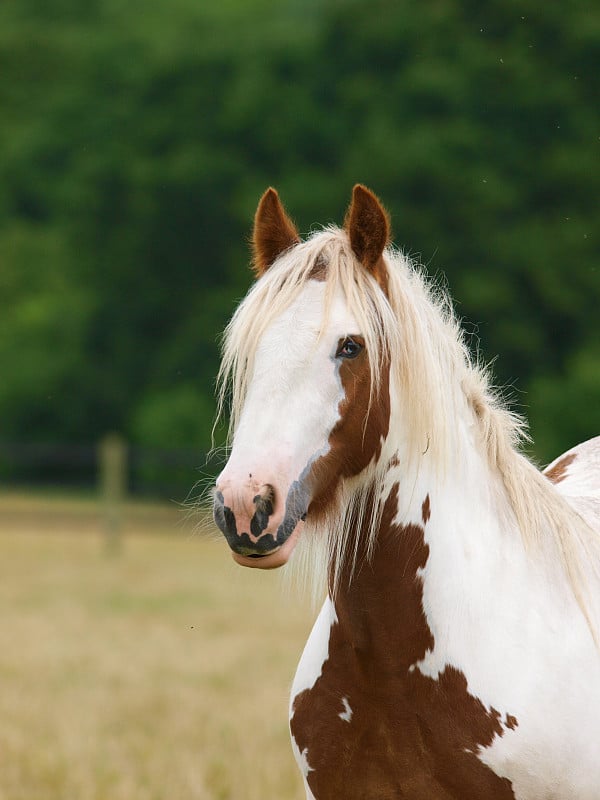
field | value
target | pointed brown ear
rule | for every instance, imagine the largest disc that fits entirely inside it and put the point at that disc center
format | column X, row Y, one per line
column 274, row 232
column 368, row 226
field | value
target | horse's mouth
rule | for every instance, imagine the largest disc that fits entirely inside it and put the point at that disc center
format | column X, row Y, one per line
column 274, row 558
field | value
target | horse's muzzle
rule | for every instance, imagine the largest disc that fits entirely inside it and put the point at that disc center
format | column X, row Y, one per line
column 253, row 542
column 256, row 526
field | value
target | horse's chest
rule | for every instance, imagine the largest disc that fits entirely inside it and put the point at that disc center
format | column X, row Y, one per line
column 360, row 750
column 366, row 730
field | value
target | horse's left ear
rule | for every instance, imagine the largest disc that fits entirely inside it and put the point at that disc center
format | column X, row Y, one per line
column 274, row 232
column 368, row 226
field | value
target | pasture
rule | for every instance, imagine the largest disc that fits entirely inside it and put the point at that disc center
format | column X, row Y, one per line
column 159, row 672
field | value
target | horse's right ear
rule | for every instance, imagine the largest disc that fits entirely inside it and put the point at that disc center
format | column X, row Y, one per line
column 274, row 232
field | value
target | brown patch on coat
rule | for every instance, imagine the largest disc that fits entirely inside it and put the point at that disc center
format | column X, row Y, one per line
column 367, row 224
column 510, row 722
column 358, row 435
column 273, row 234
column 426, row 510
column 409, row 736
column 558, row 472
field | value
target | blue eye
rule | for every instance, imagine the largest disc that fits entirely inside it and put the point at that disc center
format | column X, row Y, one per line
column 349, row 348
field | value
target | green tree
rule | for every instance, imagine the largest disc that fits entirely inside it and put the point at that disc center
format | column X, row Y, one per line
column 137, row 137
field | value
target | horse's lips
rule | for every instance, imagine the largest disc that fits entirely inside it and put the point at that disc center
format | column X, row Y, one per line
column 273, row 560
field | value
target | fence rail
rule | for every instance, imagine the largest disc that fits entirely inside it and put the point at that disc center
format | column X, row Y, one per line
column 146, row 471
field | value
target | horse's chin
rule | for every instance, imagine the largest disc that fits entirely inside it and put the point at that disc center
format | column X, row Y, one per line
column 273, row 560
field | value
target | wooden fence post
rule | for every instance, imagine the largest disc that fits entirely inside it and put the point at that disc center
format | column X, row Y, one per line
column 113, row 487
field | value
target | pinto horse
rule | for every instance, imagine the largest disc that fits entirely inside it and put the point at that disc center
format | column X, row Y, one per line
column 456, row 654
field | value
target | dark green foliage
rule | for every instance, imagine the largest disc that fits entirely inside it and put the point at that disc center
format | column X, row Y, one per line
column 137, row 137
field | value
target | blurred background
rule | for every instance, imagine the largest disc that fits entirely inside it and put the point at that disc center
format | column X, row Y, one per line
column 135, row 140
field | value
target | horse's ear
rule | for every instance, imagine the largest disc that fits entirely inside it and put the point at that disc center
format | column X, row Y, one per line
column 368, row 226
column 274, row 232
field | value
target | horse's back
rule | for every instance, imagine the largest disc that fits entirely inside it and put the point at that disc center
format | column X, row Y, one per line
column 576, row 475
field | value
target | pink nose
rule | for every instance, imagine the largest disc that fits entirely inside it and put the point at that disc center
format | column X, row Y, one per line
column 258, row 519
column 248, row 518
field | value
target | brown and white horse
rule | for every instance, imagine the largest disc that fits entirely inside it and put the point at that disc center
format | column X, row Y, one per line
column 456, row 654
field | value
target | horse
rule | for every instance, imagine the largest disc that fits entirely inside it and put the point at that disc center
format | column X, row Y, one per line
column 456, row 653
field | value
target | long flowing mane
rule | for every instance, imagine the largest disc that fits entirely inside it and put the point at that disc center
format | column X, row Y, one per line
column 438, row 381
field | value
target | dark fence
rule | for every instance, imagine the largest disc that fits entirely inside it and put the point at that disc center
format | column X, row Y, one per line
column 177, row 474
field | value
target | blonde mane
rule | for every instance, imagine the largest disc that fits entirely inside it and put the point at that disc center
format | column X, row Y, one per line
column 416, row 331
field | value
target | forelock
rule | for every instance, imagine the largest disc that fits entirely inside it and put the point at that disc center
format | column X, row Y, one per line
column 327, row 256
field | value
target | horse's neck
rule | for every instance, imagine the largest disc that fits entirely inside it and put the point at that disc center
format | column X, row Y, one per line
column 379, row 607
column 436, row 535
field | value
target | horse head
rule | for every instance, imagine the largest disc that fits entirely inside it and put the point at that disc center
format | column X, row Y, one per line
column 309, row 374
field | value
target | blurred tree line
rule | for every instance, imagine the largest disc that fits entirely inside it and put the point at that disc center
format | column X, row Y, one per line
column 136, row 138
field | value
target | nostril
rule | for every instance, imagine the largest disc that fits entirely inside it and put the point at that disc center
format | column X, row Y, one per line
column 263, row 503
column 264, row 500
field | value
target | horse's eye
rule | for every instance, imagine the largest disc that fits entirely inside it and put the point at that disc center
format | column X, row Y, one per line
column 348, row 348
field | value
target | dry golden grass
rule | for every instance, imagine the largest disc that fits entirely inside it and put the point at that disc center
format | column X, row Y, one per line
column 160, row 673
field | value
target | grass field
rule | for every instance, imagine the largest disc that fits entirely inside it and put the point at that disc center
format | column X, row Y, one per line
column 161, row 672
